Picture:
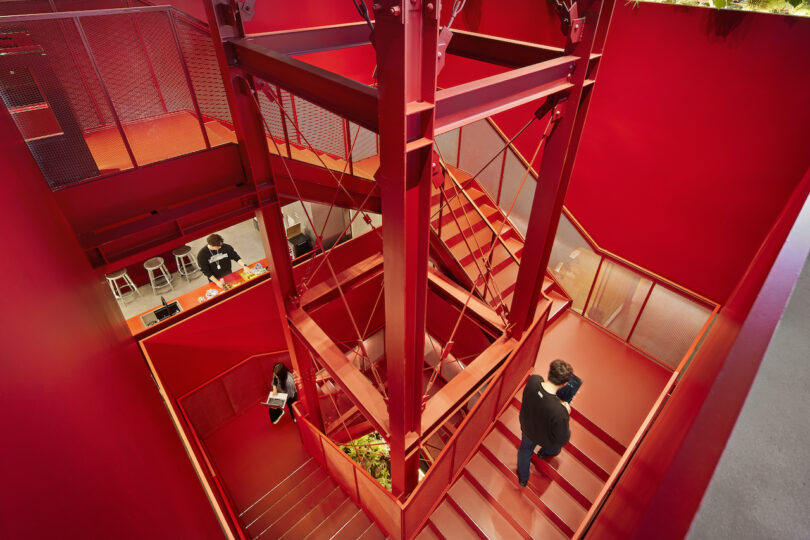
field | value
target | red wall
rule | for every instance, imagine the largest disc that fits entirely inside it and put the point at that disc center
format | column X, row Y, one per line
column 664, row 483
column 203, row 346
column 696, row 135
column 88, row 449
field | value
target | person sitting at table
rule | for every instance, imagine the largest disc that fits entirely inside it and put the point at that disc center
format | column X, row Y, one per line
column 215, row 259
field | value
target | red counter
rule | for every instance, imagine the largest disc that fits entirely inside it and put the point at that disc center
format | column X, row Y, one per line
column 195, row 298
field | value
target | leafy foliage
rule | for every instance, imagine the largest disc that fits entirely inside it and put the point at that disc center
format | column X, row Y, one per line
column 800, row 8
column 371, row 453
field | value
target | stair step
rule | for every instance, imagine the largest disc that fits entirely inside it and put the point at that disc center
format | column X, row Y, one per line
column 372, row 533
column 429, row 533
column 559, row 304
column 268, row 500
column 594, row 453
column 278, row 505
column 315, row 516
column 568, row 511
column 509, row 496
column 590, row 445
column 335, row 521
column 477, row 508
column 354, row 528
column 292, row 508
column 575, row 473
column 450, row 523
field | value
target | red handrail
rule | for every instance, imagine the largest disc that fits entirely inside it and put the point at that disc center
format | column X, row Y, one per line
column 618, row 470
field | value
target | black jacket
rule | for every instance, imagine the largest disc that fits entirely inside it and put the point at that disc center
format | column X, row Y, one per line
column 217, row 263
column 543, row 418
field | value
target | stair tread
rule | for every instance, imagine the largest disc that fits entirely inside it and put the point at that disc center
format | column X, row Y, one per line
column 427, row 533
column 449, row 523
column 280, row 490
column 558, row 304
column 586, row 441
column 372, row 533
column 293, row 509
column 510, row 496
column 574, row 471
column 354, row 528
column 335, row 521
column 552, row 494
column 477, row 508
column 316, row 515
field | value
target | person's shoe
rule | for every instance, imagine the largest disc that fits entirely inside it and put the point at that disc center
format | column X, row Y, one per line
column 541, row 455
column 279, row 417
column 523, row 483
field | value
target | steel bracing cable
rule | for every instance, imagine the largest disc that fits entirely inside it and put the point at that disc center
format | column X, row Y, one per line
column 309, row 274
column 505, row 147
column 363, row 11
column 458, row 5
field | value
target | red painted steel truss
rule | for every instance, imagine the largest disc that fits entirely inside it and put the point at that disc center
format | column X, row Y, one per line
column 328, row 301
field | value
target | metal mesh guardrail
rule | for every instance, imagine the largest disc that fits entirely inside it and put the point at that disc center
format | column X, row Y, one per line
column 99, row 92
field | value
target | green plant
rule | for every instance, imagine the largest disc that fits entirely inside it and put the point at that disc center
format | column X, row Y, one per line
column 372, row 453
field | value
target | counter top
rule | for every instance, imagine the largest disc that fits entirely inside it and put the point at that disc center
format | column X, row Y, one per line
column 198, row 296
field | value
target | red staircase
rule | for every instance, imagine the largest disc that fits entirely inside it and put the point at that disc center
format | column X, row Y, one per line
column 483, row 241
column 487, row 502
column 308, row 504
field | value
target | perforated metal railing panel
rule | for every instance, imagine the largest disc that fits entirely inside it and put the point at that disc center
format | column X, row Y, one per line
column 109, row 82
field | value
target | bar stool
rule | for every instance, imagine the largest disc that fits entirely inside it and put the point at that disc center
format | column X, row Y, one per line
column 117, row 288
column 186, row 264
column 163, row 279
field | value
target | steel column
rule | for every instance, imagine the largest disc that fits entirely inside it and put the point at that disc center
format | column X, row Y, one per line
column 247, row 120
column 553, row 184
column 406, row 42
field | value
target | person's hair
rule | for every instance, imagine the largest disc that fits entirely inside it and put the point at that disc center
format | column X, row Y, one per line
column 280, row 372
column 214, row 240
column 559, row 372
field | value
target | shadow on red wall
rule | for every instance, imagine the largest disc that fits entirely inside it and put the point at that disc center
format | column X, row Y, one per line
column 201, row 347
column 696, row 136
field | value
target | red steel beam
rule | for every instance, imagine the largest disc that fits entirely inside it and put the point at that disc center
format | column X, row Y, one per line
column 311, row 40
column 406, row 42
column 479, row 99
column 359, row 389
column 341, row 95
column 500, row 51
column 552, row 185
column 249, row 127
column 458, row 391
column 476, row 308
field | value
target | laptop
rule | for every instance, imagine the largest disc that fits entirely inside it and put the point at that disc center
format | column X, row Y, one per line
column 275, row 401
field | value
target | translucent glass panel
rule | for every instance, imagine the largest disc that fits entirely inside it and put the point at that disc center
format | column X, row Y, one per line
column 617, row 298
column 513, row 195
column 573, row 263
column 479, row 143
column 448, row 146
column 668, row 325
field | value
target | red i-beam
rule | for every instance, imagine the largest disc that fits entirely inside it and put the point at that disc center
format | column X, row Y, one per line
column 406, row 41
column 224, row 22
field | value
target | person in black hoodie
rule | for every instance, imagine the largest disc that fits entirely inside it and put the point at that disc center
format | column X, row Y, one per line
column 215, row 259
column 543, row 417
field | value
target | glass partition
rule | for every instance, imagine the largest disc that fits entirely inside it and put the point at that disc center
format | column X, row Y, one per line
column 617, row 298
column 573, row 263
column 668, row 325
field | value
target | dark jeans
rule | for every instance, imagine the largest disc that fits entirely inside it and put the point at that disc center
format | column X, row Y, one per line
column 525, row 452
column 290, row 402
